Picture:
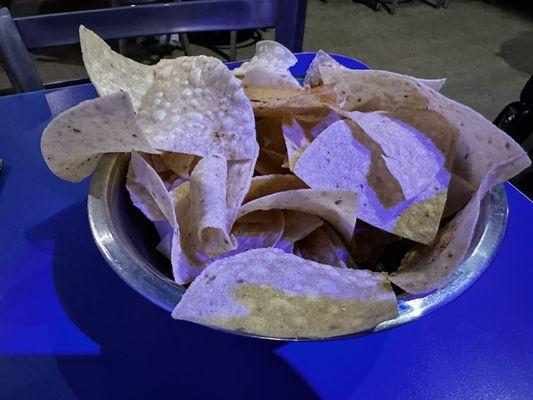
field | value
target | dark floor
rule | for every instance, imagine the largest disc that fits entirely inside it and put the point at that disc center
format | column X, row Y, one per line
column 485, row 51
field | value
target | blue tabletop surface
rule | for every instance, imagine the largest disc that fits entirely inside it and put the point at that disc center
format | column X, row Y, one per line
column 70, row 328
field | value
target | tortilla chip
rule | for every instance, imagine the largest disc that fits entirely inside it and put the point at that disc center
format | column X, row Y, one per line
column 339, row 207
column 183, row 270
column 317, row 247
column 313, row 76
column 204, row 225
column 268, row 292
column 480, row 144
column 195, row 106
column 270, row 162
column 179, row 192
column 412, row 159
column 372, row 90
column 432, row 125
column 425, row 269
column 268, row 97
column 74, row 141
column 300, row 130
column 165, row 245
column 265, row 166
column 111, row 72
column 459, row 192
column 178, row 163
column 238, row 179
column 265, row 185
column 269, row 134
column 268, row 53
column 173, row 182
column 238, row 184
column 420, row 221
column 298, row 225
column 256, row 230
column 435, row 84
column 269, row 68
column 276, row 103
column 340, row 248
column 141, row 197
column 143, row 173
column 157, row 163
column 163, row 228
column 343, row 157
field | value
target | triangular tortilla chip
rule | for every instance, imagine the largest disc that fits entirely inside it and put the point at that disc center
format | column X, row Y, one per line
column 340, row 248
column 313, row 77
column 269, row 292
column 317, row 247
column 339, row 207
column 141, row 197
column 344, row 157
column 74, row 141
column 143, row 173
column 269, row 67
column 298, row 225
column 459, row 193
column 427, row 268
column 111, row 72
column 264, row 185
column 178, row 163
column 256, row 230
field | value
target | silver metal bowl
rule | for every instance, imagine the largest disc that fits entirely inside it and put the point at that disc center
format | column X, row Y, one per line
column 127, row 241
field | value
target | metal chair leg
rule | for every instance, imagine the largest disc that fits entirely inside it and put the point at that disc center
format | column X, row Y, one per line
column 393, row 6
column 123, row 47
column 233, row 45
column 184, row 41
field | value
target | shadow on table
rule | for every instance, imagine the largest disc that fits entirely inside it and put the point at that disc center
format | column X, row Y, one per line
column 143, row 352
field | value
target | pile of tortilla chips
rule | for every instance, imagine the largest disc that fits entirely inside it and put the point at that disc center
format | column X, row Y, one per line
column 290, row 210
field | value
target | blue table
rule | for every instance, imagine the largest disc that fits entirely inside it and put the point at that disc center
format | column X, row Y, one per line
column 70, row 328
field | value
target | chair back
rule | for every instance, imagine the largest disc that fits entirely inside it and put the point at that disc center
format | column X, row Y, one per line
column 18, row 35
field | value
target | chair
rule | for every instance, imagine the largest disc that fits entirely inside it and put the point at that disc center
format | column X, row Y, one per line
column 18, row 35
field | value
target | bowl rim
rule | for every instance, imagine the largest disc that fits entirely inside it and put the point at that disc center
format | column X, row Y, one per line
column 140, row 275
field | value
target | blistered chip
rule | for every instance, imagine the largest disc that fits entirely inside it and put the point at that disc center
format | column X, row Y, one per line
column 195, row 106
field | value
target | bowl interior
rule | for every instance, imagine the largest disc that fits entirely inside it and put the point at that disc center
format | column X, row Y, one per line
column 128, row 242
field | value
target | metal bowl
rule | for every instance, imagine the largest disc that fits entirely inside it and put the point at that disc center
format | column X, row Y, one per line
column 128, row 242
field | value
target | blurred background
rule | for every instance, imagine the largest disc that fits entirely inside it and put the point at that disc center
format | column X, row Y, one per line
column 484, row 48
